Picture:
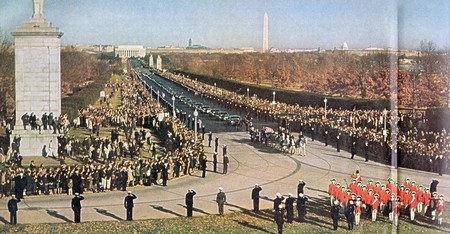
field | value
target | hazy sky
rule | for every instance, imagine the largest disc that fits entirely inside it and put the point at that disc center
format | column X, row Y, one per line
column 239, row 23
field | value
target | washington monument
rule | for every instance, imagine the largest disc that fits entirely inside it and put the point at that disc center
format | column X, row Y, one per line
column 265, row 47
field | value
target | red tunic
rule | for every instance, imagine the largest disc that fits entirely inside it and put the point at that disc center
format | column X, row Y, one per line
column 358, row 205
column 331, row 189
column 426, row 199
column 440, row 206
column 375, row 204
column 419, row 195
column 413, row 203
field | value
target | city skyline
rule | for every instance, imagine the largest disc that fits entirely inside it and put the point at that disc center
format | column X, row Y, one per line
column 293, row 24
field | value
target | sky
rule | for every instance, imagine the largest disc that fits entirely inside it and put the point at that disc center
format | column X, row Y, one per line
column 295, row 24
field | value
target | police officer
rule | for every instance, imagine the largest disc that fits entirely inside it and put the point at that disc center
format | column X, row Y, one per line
column 13, row 208
column 189, row 200
column 338, row 142
column 209, row 138
column 279, row 218
column 301, row 186
column 225, row 164
column 290, row 208
column 277, row 201
column 215, row 161
column 129, row 204
column 76, row 206
column 301, row 206
column 216, row 145
column 255, row 197
column 366, row 151
column 221, row 199
column 350, row 213
column 335, row 213
column 203, row 164
column 353, row 149
column 326, row 137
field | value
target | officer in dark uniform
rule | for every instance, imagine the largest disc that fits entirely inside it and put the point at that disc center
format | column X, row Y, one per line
column 326, row 137
column 290, row 208
column 255, row 197
column 353, row 149
column 313, row 131
column 338, row 142
column 189, row 200
column 301, row 206
column 13, row 208
column 350, row 213
column 279, row 218
column 277, row 201
column 203, row 132
column 76, row 206
column 129, row 204
column 215, row 161
column 203, row 164
column 301, row 186
column 335, row 214
column 225, row 164
column 216, row 144
column 209, row 139
column 366, row 151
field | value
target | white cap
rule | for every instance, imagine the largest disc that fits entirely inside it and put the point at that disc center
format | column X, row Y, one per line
column 77, row 194
column 220, row 188
column 336, row 202
column 290, row 194
column 129, row 192
column 301, row 195
column 278, row 194
column 256, row 185
column 280, row 206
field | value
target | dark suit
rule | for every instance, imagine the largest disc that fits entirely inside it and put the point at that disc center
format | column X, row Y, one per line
column 255, row 197
column 290, row 209
column 225, row 164
column 13, row 208
column 301, row 207
column 189, row 200
column 76, row 207
column 335, row 215
column 279, row 219
column 300, row 187
column 129, row 204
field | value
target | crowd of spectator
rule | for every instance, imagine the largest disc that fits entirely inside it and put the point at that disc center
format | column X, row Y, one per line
column 398, row 138
column 113, row 162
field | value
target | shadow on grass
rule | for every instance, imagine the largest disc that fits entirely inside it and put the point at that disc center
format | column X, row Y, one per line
column 107, row 213
column 55, row 214
column 262, row 214
column 246, row 224
column 162, row 209
column 3, row 220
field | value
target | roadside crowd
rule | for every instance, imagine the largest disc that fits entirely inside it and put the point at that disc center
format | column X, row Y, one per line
column 411, row 139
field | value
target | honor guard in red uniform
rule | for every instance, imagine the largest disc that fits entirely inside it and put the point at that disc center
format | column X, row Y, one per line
column 440, row 209
column 374, row 205
column 412, row 206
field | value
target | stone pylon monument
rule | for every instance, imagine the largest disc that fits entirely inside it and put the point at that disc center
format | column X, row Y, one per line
column 38, row 81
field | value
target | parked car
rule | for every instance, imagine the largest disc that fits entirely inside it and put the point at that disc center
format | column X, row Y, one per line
column 206, row 109
column 213, row 112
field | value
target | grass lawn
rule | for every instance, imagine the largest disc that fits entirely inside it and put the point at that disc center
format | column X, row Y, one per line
column 242, row 221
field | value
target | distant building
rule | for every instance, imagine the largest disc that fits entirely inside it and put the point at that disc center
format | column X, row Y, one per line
column 128, row 51
column 344, row 46
column 195, row 47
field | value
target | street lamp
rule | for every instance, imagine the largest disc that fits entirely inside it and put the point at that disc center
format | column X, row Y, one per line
column 248, row 92
column 173, row 106
column 157, row 97
column 273, row 97
column 325, row 101
column 195, row 125
column 215, row 87
column 384, row 129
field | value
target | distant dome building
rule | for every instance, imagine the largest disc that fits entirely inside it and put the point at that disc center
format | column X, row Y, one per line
column 345, row 46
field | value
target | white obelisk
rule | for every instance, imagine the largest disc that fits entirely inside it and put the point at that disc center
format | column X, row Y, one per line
column 265, row 47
